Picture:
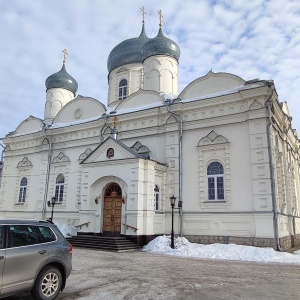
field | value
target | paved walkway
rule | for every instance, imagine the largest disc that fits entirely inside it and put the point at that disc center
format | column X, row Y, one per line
column 136, row 275
column 140, row 275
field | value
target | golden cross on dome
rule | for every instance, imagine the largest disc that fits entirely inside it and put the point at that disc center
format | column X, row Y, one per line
column 65, row 55
column 160, row 17
column 143, row 13
column 115, row 121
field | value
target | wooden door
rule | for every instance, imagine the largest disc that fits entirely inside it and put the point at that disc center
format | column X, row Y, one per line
column 112, row 215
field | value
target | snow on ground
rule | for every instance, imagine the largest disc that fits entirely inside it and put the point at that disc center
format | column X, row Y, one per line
column 184, row 248
column 66, row 230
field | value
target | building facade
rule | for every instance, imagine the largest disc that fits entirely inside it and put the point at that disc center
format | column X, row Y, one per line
column 224, row 147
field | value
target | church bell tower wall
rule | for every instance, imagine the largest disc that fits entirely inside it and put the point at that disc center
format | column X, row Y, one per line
column 161, row 74
column 56, row 98
column 132, row 73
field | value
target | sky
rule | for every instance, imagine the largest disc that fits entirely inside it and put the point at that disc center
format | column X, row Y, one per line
column 183, row 248
column 252, row 39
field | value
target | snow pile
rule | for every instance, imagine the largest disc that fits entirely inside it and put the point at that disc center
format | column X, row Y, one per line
column 184, row 248
column 66, row 230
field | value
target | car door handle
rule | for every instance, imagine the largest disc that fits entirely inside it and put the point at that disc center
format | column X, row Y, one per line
column 1, row 257
column 42, row 251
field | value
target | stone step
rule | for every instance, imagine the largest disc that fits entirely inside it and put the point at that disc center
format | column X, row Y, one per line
column 117, row 244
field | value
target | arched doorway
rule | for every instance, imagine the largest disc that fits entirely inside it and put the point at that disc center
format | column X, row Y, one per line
column 112, row 211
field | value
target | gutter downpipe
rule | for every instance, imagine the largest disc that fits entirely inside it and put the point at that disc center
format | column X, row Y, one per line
column 1, row 172
column 274, row 200
column 102, row 129
column 2, row 152
column 48, row 172
column 169, row 102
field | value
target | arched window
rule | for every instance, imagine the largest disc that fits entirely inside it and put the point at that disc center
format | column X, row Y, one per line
column 59, row 188
column 215, row 177
column 156, row 198
column 113, row 190
column 23, row 188
column 123, row 89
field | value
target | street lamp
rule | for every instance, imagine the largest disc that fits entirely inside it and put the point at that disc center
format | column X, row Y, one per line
column 51, row 204
column 172, row 201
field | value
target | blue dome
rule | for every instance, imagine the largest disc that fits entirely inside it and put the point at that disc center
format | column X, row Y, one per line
column 160, row 45
column 127, row 52
column 62, row 80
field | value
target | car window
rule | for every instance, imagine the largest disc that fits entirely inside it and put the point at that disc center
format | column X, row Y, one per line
column 47, row 234
column 22, row 235
column 1, row 237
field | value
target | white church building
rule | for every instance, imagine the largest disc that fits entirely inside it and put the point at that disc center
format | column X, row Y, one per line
column 223, row 146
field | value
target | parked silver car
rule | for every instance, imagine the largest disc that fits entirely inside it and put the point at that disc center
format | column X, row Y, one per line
column 35, row 257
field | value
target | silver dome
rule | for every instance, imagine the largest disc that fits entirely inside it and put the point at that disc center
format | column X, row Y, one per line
column 127, row 52
column 62, row 80
column 160, row 45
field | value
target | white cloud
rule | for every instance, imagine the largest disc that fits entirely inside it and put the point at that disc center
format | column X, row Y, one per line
column 253, row 39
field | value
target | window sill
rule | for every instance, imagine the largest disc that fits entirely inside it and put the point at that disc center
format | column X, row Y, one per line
column 19, row 203
column 56, row 203
column 159, row 212
column 215, row 201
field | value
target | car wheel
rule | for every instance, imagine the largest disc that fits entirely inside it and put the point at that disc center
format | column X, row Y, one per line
column 48, row 284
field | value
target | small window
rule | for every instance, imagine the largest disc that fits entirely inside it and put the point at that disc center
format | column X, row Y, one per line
column 110, row 153
column 215, row 177
column 23, row 189
column 122, row 89
column 156, row 198
column 47, row 234
column 59, row 188
column 22, row 235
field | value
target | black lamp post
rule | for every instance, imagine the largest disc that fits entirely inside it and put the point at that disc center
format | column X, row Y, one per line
column 51, row 204
column 172, row 201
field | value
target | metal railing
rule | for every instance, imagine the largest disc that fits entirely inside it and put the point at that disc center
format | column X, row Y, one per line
column 83, row 224
column 131, row 227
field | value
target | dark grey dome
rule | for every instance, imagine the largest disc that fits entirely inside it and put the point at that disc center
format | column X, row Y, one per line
column 160, row 45
column 127, row 52
column 62, row 80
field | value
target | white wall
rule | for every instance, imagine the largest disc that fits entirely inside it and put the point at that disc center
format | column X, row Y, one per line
column 161, row 74
column 56, row 98
column 133, row 73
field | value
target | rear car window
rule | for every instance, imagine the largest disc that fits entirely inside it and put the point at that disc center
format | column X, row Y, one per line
column 1, row 237
column 47, row 234
column 22, row 235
